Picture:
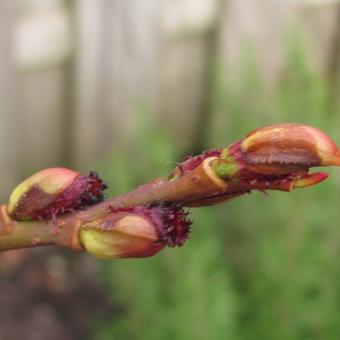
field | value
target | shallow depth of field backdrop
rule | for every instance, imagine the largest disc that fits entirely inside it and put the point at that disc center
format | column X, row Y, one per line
column 127, row 87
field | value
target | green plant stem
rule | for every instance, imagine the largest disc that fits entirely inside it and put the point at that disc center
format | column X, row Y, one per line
column 198, row 187
column 64, row 230
column 195, row 185
column 15, row 234
column 22, row 234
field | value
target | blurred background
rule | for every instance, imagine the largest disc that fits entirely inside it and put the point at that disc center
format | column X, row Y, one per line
column 128, row 87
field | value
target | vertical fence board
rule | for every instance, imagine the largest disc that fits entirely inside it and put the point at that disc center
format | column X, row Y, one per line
column 266, row 25
column 258, row 23
column 41, row 105
column 183, row 88
column 116, row 73
column 42, row 50
column 131, row 58
column 10, row 129
column 317, row 25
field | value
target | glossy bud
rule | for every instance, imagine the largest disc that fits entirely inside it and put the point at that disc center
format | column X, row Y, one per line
column 120, row 236
column 140, row 231
column 276, row 157
column 285, row 148
column 52, row 192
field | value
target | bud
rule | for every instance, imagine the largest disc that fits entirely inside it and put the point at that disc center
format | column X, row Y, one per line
column 285, row 148
column 276, row 157
column 140, row 231
column 52, row 192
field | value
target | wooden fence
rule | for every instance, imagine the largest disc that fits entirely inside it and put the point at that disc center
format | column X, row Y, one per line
column 75, row 74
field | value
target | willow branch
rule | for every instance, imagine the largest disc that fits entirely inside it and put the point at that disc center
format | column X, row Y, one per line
column 141, row 222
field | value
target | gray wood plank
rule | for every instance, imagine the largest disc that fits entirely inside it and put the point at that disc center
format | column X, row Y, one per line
column 116, row 74
column 10, row 124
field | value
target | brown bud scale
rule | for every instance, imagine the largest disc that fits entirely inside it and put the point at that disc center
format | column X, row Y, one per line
column 190, row 163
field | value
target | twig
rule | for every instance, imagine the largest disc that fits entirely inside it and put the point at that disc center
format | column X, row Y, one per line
column 143, row 221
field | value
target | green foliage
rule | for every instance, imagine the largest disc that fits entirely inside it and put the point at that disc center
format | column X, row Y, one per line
column 258, row 267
